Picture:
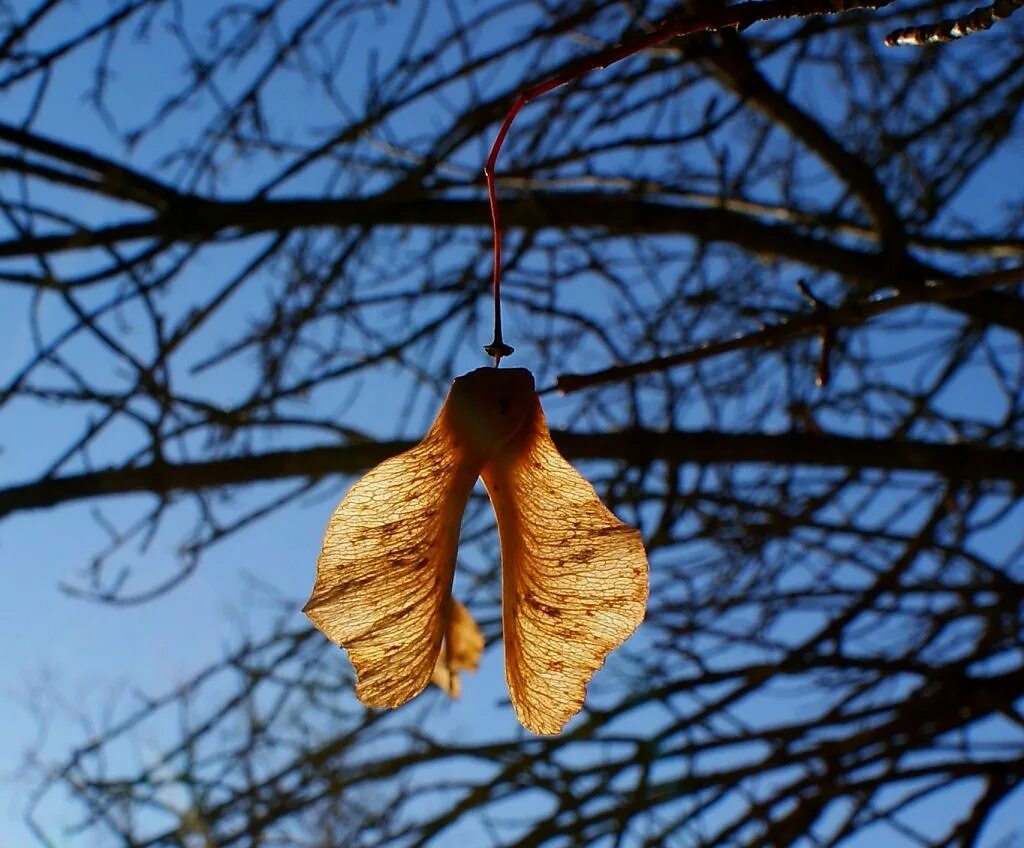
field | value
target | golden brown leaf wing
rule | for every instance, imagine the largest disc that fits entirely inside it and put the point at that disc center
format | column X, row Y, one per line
column 574, row 577
column 463, row 644
column 384, row 576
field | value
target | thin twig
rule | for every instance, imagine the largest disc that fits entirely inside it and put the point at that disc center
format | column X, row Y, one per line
column 739, row 17
column 827, row 329
column 851, row 313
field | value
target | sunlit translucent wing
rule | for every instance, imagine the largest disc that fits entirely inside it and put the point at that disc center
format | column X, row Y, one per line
column 463, row 644
column 574, row 577
column 384, row 575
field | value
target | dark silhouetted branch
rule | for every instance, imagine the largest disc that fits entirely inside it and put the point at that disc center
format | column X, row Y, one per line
column 958, row 462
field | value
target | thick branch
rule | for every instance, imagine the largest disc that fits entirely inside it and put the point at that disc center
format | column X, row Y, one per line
column 615, row 214
column 734, row 65
column 957, row 462
column 970, row 291
column 106, row 176
column 195, row 219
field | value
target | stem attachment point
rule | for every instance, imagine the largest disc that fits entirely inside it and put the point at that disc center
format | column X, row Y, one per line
column 498, row 349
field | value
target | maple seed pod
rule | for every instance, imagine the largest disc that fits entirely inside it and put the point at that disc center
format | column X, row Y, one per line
column 574, row 577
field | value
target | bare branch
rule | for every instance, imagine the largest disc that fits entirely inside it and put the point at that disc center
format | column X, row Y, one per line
column 950, row 29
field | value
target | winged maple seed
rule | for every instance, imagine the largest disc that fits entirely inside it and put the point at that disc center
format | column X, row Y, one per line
column 574, row 577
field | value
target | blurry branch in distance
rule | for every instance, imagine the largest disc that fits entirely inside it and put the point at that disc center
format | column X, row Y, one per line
column 680, row 25
column 955, row 462
column 822, row 320
column 199, row 219
column 950, row 29
column 83, row 169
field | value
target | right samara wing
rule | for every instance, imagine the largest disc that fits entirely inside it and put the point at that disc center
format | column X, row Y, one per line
column 574, row 577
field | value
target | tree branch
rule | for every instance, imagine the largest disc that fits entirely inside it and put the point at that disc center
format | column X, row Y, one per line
column 200, row 219
column 951, row 29
column 957, row 462
column 970, row 291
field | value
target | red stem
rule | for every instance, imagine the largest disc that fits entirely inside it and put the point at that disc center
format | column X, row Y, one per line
column 739, row 16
